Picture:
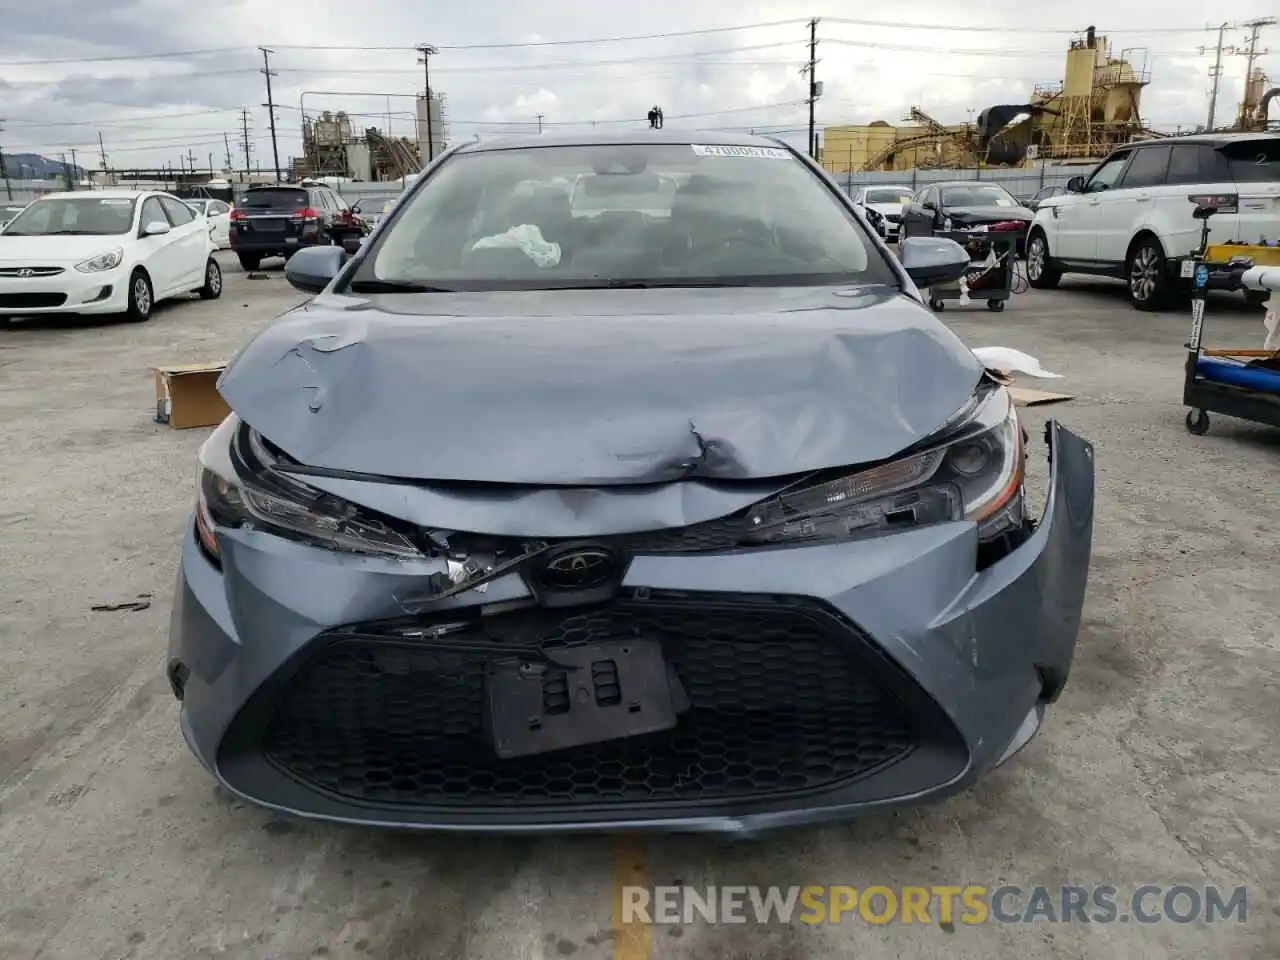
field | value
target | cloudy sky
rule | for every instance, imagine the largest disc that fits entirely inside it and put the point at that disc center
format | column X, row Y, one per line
column 159, row 78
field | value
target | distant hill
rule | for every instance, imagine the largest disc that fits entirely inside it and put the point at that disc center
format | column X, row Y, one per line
column 32, row 166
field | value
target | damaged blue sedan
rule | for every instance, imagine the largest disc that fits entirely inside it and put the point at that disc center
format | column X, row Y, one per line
column 621, row 482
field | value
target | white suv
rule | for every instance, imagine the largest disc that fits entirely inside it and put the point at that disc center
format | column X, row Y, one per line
column 1131, row 217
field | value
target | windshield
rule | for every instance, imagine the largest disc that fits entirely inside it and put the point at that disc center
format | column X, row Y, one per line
column 1254, row 161
column 989, row 196
column 87, row 216
column 629, row 215
column 888, row 196
column 377, row 203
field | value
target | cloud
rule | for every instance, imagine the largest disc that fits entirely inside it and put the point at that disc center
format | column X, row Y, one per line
column 153, row 109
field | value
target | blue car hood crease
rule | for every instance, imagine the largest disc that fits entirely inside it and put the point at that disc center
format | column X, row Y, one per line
column 601, row 388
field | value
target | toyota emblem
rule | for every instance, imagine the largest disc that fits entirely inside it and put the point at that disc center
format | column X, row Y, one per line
column 580, row 568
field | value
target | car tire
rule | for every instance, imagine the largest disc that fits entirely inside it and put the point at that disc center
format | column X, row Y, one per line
column 250, row 261
column 1146, row 276
column 1041, row 271
column 212, row 288
column 141, row 297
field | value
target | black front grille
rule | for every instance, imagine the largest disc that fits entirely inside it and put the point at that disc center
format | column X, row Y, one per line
column 783, row 698
column 31, row 301
column 893, row 217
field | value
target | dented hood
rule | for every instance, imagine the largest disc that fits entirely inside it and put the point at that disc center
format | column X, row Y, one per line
column 601, row 387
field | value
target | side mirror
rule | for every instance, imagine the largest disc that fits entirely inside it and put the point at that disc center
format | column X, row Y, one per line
column 312, row 268
column 156, row 228
column 1075, row 185
column 355, row 207
column 928, row 205
column 932, row 261
column 352, row 245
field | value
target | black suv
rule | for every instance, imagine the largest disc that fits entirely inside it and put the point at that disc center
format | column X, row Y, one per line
column 278, row 220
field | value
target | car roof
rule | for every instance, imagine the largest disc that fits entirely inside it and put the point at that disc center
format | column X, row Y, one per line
column 886, row 186
column 968, row 183
column 100, row 194
column 620, row 138
column 1216, row 139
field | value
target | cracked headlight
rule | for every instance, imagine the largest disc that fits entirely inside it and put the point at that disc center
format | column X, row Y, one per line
column 103, row 261
column 976, row 474
column 238, row 488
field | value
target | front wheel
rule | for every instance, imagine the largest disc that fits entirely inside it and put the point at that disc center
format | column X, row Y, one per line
column 1041, row 273
column 1149, row 285
column 250, row 261
column 937, row 305
column 1197, row 421
column 995, row 306
column 212, row 288
column 141, row 298
column 1257, row 298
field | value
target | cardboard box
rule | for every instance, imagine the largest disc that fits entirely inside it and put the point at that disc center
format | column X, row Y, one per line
column 1037, row 398
column 187, row 395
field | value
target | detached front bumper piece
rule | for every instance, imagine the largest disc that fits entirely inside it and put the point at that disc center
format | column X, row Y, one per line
column 808, row 683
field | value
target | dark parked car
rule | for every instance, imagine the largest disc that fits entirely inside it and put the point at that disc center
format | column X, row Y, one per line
column 279, row 220
column 688, row 518
column 960, row 205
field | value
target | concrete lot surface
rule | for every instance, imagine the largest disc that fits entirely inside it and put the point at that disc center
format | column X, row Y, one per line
column 1159, row 765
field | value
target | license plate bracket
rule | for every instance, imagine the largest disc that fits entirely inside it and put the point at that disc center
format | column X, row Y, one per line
column 613, row 691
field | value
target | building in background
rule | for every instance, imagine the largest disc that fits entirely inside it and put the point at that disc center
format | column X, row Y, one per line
column 1093, row 109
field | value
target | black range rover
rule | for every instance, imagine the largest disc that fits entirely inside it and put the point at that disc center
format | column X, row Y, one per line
column 277, row 220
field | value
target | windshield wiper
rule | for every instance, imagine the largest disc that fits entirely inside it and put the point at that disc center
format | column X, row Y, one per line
column 394, row 286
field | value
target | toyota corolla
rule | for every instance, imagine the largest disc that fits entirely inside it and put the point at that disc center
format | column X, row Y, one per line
column 688, row 518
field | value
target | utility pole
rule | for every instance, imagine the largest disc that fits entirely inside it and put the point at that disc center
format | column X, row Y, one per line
column 226, row 143
column 66, row 173
column 1251, row 53
column 210, row 163
column 75, row 171
column 191, row 159
column 815, row 88
column 1216, row 76
column 271, row 106
column 246, row 144
column 425, row 52
column 540, row 116
column 102, row 155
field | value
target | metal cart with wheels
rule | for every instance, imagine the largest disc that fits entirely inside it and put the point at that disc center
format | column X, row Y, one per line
column 984, row 280
column 1243, row 383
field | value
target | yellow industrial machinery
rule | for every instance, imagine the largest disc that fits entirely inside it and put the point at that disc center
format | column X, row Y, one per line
column 1095, row 108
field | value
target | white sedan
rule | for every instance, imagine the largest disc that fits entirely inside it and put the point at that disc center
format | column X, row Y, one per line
column 218, row 216
column 99, row 252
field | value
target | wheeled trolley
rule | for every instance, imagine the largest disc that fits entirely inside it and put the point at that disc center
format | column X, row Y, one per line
column 1243, row 383
column 993, row 264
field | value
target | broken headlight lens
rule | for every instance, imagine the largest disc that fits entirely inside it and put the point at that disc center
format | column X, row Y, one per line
column 242, row 491
column 976, row 475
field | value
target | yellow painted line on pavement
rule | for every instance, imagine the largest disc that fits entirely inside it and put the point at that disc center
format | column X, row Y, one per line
column 631, row 941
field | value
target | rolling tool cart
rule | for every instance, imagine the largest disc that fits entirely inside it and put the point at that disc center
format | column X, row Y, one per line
column 1240, row 383
column 993, row 269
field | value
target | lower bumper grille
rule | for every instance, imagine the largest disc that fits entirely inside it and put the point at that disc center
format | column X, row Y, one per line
column 31, row 301
column 784, row 698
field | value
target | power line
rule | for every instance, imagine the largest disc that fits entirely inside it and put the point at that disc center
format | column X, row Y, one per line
column 968, row 28
column 127, row 121
column 582, row 41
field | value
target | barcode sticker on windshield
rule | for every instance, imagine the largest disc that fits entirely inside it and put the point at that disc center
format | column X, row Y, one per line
column 754, row 153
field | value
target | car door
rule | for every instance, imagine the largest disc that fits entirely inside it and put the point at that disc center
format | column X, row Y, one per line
column 1073, row 215
column 159, row 253
column 191, row 243
column 1194, row 169
column 1130, row 205
column 342, row 218
column 1254, row 163
column 917, row 219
